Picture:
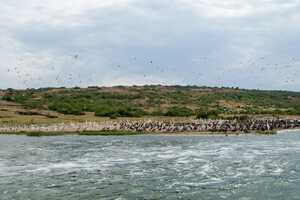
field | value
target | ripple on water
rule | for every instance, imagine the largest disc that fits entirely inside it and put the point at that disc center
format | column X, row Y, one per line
column 151, row 167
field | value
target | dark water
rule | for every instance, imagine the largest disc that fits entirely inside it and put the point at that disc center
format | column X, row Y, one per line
column 150, row 167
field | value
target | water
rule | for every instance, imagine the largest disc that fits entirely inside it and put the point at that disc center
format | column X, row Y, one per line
column 150, row 167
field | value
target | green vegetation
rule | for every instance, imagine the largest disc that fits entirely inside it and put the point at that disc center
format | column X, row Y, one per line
column 67, row 107
column 117, row 111
column 156, row 100
column 36, row 134
column 126, row 133
column 40, row 134
column 176, row 111
column 270, row 132
column 85, row 133
column 207, row 114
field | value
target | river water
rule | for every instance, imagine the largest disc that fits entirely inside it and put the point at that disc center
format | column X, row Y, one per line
column 150, row 167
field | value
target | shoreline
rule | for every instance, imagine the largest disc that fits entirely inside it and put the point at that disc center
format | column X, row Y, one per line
column 109, row 133
column 131, row 133
column 141, row 127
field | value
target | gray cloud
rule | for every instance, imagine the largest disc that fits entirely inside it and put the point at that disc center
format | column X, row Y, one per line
column 250, row 44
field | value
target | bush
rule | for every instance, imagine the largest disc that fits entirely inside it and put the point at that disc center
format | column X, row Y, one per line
column 205, row 114
column 202, row 113
column 297, row 110
column 114, row 112
column 113, row 116
column 8, row 98
column 16, row 97
column 179, row 112
column 66, row 108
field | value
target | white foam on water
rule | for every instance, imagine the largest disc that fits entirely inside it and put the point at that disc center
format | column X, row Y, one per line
column 211, row 181
column 65, row 165
column 53, row 166
column 288, row 131
column 277, row 171
column 167, row 156
column 120, row 198
column 79, row 164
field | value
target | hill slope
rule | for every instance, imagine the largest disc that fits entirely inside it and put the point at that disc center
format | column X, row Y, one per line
column 136, row 101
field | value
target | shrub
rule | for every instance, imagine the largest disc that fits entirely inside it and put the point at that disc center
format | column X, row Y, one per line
column 179, row 112
column 8, row 98
column 297, row 110
column 114, row 112
column 113, row 116
column 104, row 111
column 202, row 113
column 205, row 114
column 66, row 108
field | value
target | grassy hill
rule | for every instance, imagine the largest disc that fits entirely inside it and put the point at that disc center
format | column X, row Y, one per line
column 156, row 100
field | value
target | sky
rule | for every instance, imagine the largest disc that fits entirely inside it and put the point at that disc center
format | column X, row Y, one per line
column 232, row 43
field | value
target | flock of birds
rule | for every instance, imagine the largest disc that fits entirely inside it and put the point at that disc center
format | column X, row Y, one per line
column 288, row 72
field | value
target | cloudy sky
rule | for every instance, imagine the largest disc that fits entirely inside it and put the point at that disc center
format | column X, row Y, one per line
column 235, row 43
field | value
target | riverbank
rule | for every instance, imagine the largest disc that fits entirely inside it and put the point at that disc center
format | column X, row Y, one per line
column 133, row 127
column 129, row 133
